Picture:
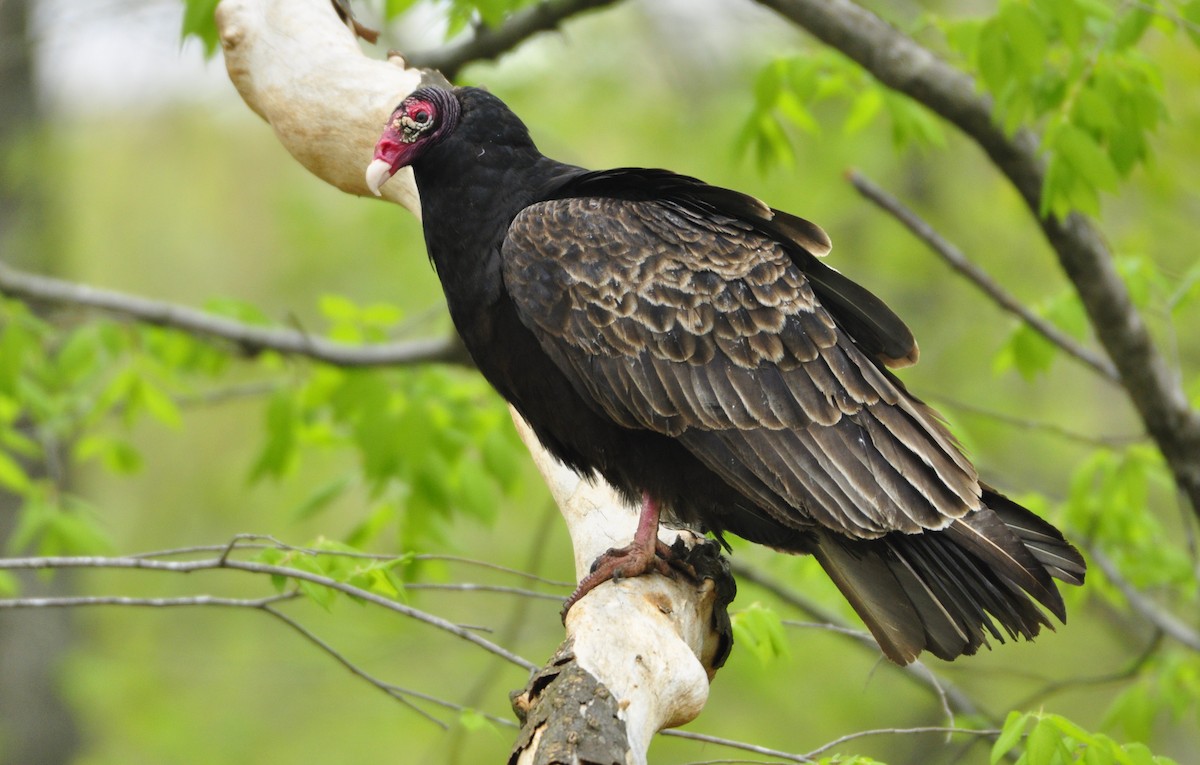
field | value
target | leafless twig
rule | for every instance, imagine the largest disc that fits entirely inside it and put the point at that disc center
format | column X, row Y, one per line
column 1170, row 624
column 811, row 756
column 951, row 698
column 227, row 562
column 977, row 276
column 1111, row 442
column 265, row 541
column 192, row 601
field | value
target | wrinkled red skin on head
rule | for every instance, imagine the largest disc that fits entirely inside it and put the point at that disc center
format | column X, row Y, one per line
column 392, row 148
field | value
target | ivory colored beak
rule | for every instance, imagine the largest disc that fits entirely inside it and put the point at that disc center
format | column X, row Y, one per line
column 378, row 173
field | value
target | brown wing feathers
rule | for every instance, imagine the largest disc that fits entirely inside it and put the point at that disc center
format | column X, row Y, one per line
column 689, row 319
column 689, row 324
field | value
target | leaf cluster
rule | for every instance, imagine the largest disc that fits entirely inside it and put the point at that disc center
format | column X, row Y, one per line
column 1051, row 739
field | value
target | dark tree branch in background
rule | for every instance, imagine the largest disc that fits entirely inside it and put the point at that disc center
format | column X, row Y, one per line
column 489, row 43
column 977, row 276
column 248, row 338
column 902, row 64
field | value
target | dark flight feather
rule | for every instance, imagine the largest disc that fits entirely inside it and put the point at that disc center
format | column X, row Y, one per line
column 687, row 343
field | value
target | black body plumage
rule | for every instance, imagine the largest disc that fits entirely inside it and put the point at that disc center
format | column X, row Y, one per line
column 684, row 341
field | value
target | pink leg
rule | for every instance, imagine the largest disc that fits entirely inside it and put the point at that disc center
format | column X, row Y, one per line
column 644, row 554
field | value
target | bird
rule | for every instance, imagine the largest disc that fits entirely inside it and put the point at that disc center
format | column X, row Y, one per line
column 688, row 344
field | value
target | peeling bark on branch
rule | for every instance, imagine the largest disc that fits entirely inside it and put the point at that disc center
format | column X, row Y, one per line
column 651, row 643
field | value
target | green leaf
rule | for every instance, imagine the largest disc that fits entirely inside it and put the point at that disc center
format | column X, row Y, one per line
column 759, row 629
column 12, row 475
column 247, row 313
column 1069, row 20
column 319, row 593
column 9, row 586
column 502, row 457
column 1025, row 38
column 864, row 109
column 1043, row 743
column 769, row 84
column 992, row 57
column 473, row 720
column 1190, row 20
column 72, row 530
column 199, row 21
column 381, row 315
column 393, row 8
column 1086, row 157
column 117, row 455
column 19, row 444
column 157, row 403
column 320, row 499
column 475, row 494
column 1132, row 26
column 338, row 308
column 1139, row 754
column 912, row 124
column 279, row 452
column 1010, row 734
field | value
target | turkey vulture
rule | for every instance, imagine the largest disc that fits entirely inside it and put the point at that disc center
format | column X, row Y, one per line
column 686, row 343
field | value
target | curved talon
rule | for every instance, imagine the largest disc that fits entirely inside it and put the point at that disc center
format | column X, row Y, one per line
column 628, row 562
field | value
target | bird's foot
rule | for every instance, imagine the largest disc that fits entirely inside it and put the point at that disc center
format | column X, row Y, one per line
column 630, row 561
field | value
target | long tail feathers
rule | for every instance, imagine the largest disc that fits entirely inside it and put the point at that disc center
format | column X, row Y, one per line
column 949, row 591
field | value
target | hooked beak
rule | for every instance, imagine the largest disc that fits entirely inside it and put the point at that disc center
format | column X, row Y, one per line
column 391, row 154
column 378, row 173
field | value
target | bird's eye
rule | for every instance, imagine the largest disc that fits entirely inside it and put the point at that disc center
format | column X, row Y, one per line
column 421, row 117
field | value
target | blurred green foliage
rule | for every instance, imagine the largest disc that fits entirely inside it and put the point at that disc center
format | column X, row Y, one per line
column 173, row 441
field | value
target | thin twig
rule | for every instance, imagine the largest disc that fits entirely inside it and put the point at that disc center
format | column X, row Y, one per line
column 494, row 567
column 835, row 628
column 474, row 587
column 248, row 338
column 989, row 732
column 732, row 744
column 489, row 43
column 811, row 756
column 274, row 543
column 1111, row 442
column 192, row 601
column 1170, row 624
column 186, row 567
column 1038, row 697
column 977, row 276
column 951, row 698
column 265, row 604
column 393, row 691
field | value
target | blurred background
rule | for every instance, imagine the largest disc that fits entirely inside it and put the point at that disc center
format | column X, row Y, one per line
column 131, row 163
